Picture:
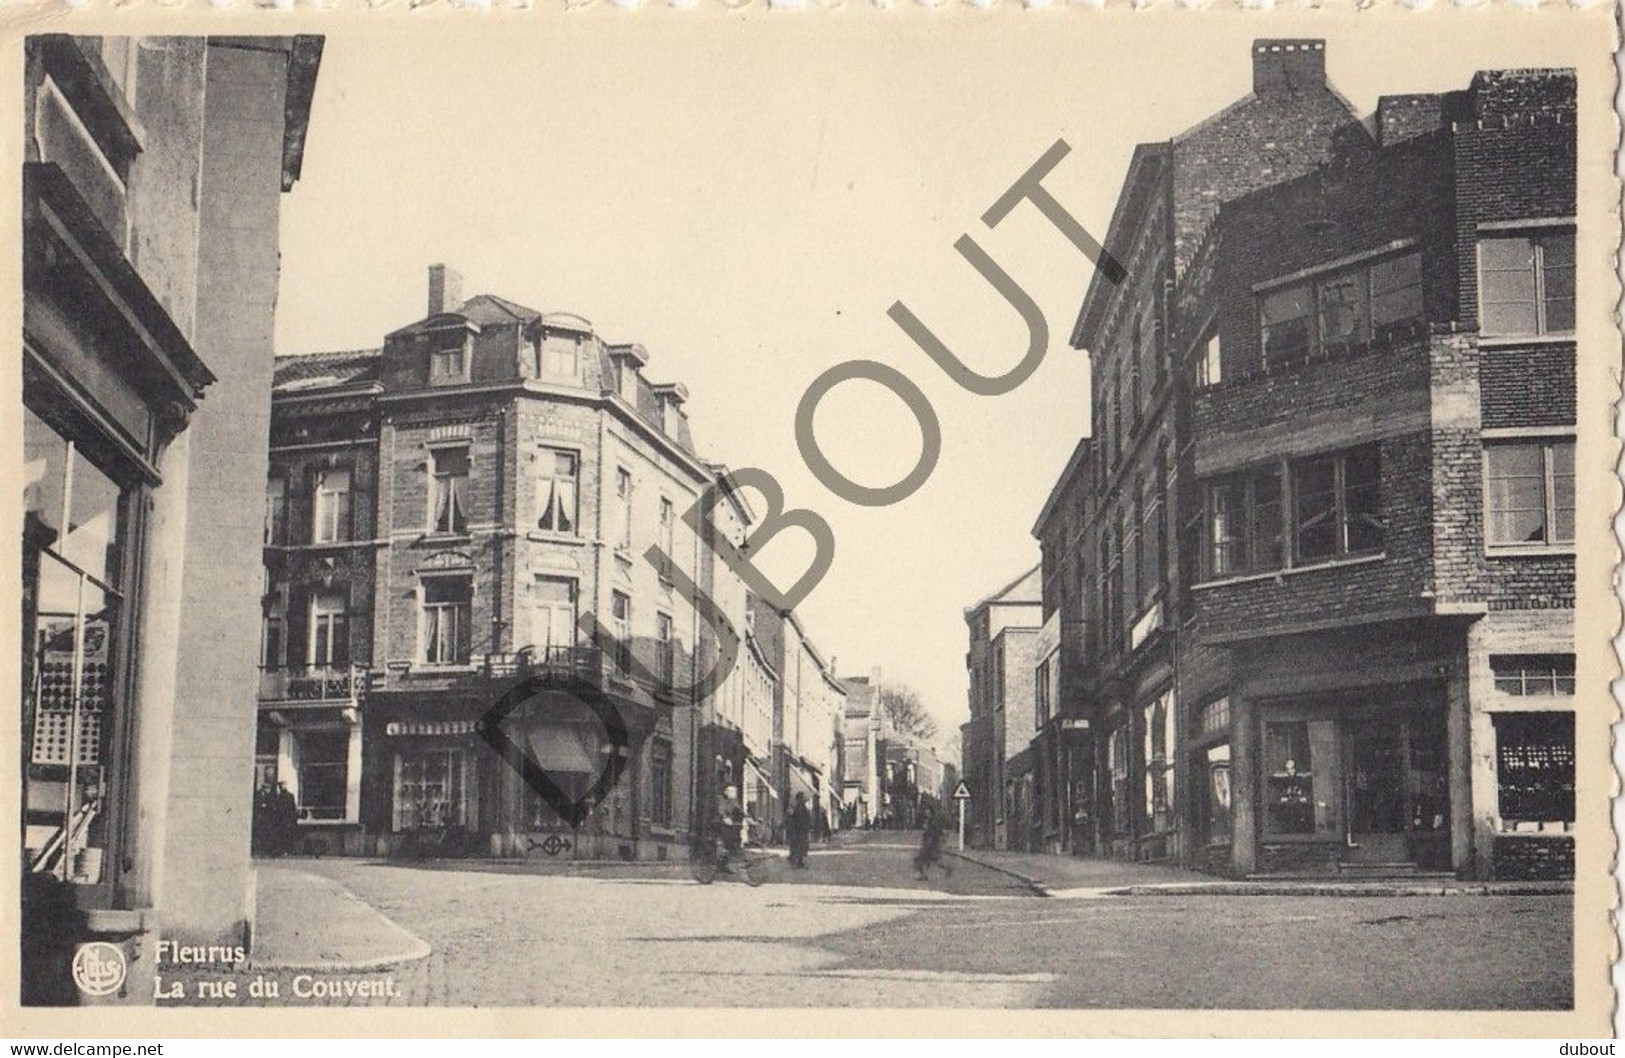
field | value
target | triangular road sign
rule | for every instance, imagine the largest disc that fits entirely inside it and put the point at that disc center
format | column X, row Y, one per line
column 962, row 792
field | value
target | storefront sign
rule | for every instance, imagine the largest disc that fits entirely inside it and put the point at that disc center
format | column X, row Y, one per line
column 399, row 728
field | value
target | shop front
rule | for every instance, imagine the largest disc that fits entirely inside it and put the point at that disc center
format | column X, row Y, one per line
column 436, row 787
column 1355, row 782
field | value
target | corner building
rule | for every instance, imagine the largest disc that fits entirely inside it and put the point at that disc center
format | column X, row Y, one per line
column 1324, row 525
column 440, row 514
column 1383, row 446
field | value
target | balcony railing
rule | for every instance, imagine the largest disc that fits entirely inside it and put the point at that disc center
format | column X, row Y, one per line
column 317, row 684
column 577, row 662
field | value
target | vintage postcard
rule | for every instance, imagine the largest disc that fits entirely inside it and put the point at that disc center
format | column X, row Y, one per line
column 1067, row 520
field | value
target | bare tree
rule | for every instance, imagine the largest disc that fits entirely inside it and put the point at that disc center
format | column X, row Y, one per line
column 905, row 711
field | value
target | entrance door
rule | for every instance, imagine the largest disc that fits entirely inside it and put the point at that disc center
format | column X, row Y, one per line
column 1374, row 779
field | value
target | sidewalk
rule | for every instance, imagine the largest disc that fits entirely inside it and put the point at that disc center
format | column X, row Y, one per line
column 1079, row 878
column 306, row 922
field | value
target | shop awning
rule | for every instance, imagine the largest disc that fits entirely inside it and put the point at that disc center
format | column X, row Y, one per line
column 564, row 749
column 763, row 778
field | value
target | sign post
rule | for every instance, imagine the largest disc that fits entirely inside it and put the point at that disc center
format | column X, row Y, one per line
column 962, row 794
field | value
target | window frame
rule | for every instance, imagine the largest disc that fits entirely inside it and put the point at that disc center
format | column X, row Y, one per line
column 1367, row 332
column 460, row 635
column 332, row 520
column 329, row 617
column 1537, row 236
column 1286, row 537
column 1551, row 512
column 457, row 511
column 550, row 454
column 620, row 626
column 625, row 490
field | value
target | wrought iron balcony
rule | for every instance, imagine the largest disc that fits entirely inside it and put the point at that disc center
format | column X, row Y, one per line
column 313, row 684
column 573, row 662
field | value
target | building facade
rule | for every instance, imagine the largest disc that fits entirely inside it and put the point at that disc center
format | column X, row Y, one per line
column 1323, row 527
column 1003, row 628
column 1386, row 490
column 151, row 188
column 442, row 514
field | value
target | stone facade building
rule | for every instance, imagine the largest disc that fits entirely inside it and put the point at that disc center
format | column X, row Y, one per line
column 1324, row 529
column 153, row 176
column 442, row 512
column 1003, row 631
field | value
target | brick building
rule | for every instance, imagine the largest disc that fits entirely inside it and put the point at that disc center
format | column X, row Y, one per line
column 154, row 170
column 1323, row 527
column 1003, row 630
column 441, row 512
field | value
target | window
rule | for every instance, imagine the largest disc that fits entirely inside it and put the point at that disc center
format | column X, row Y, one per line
column 1136, row 546
column 1289, row 790
column 557, row 480
column 1210, row 367
column 273, row 641
column 448, row 361
column 276, row 510
column 623, row 508
column 1117, row 763
column 554, row 616
column 665, row 652
column 447, row 606
column 332, row 507
column 1136, row 394
column 1117, row 418
column 1215, row 716
column 323, row 765
column 1534, row 757
column 431, row 788
column 1041, row 694
column 560, row 356
column 1336, row 512
column 660, row 783
column 1529, row 492
column 620, row 625
column 1286, row 323
column 329, row 630
column 1342, row 311
column 1526, row 284
column 448, row 496
column 1158, row 722
column 1532, row 674
column 668, row 520
column 75, row 525
column 1396, row 293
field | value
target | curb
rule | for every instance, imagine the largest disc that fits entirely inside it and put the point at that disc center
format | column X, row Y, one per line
column 1038, row 888
column 1219, row 887
column 416, row 950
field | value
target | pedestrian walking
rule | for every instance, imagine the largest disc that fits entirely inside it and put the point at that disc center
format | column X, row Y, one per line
column 930, row 854
column 798, row 828
column 284, row 821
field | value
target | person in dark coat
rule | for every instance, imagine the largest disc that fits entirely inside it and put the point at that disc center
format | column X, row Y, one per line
column 798, row 830
column 930, row 853
column 285, row 821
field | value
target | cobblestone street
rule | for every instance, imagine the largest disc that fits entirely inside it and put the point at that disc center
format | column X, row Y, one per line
column 856, row 929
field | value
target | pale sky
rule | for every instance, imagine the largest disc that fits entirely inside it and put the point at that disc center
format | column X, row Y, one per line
column 746, row 196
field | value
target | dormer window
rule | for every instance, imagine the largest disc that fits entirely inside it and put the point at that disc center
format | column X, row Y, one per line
column 449, row 363
column 560, row 356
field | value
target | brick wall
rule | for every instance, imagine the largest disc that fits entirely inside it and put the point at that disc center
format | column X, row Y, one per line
column 1528, row 386
column 1533, row 857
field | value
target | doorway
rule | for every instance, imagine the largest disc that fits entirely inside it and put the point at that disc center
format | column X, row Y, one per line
column 1375, row 765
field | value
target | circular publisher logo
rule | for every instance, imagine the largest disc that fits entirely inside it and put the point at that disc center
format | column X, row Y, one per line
column 98, row 968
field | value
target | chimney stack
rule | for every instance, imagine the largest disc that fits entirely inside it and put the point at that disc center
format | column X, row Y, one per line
column 445, row 290
column 1288, row 65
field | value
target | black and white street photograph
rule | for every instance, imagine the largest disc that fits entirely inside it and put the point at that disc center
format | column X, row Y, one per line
column 1065, row 511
